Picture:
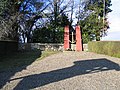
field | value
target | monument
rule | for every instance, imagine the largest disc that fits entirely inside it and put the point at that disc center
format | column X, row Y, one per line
column 78, row 38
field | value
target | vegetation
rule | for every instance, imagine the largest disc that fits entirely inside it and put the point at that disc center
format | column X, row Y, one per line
column 47, row 53
column 93, row 19
column 45, row 35
column 57, row 20
column 24, row 58
column 111, row 48
column 28, row 19
column 9, row 11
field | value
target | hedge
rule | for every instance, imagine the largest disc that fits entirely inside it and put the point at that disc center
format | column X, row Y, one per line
column 111, row 48
column 7, row 47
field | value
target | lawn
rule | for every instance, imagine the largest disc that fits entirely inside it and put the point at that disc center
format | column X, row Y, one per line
column 23, row 58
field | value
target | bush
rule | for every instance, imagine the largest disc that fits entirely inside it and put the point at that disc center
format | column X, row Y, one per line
column 111, row 48
column 7, row 47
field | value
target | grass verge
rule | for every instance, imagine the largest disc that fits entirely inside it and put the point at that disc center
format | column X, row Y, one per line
column 23, row 58
column 111, row 48
column 47, row 53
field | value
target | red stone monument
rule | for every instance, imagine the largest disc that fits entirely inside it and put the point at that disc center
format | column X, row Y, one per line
column 66, row 37
column 78, row 38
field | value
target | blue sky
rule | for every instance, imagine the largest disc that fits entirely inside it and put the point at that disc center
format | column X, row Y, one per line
column 114, row 19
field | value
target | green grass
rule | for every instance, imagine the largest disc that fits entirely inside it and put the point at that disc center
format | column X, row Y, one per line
column 23, row 58
column 111, row 48
column 47, row 53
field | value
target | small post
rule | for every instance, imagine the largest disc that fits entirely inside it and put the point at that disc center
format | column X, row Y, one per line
column 66, row 37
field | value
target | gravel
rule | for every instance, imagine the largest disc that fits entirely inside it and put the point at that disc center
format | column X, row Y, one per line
column 65, row 71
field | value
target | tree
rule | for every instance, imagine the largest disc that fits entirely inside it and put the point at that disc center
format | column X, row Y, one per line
column 31, row 12
column 18, row 18
column 94, row 25
column 9, row 14
column 56, row 19
column 45, row 35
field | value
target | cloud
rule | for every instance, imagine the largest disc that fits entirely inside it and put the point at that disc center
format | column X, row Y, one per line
column 114, row 17
column 112, row 36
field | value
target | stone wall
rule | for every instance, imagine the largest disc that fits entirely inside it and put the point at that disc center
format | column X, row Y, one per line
column 8, row 47
column 85, row 47
column 41, row 46
column 46, row 46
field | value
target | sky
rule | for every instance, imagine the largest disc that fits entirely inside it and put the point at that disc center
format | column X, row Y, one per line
column 114, row 19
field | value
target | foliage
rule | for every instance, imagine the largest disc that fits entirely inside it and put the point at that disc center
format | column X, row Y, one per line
column 18, row 18
column 57, row 17
column 53, row 30
column 9, row 15
column 37, row 19
column 31, row 11
column 111, row 48
column 47, row 53
column 94, row 24
column 22, row 19
column 91, row 28
column 45, row 35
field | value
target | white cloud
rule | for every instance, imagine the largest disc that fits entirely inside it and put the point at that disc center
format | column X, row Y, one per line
column 114, row 19
column 114, row 26
column 112, row 36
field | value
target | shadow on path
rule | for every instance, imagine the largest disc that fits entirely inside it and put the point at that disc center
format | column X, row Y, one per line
column 19, row 61
column 79, row 68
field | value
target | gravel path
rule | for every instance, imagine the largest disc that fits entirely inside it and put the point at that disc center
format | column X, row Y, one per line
column 66, row 71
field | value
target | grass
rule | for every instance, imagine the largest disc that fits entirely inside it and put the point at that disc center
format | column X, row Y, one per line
column 47, row 53
column 111, row 48
column 23, row 58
